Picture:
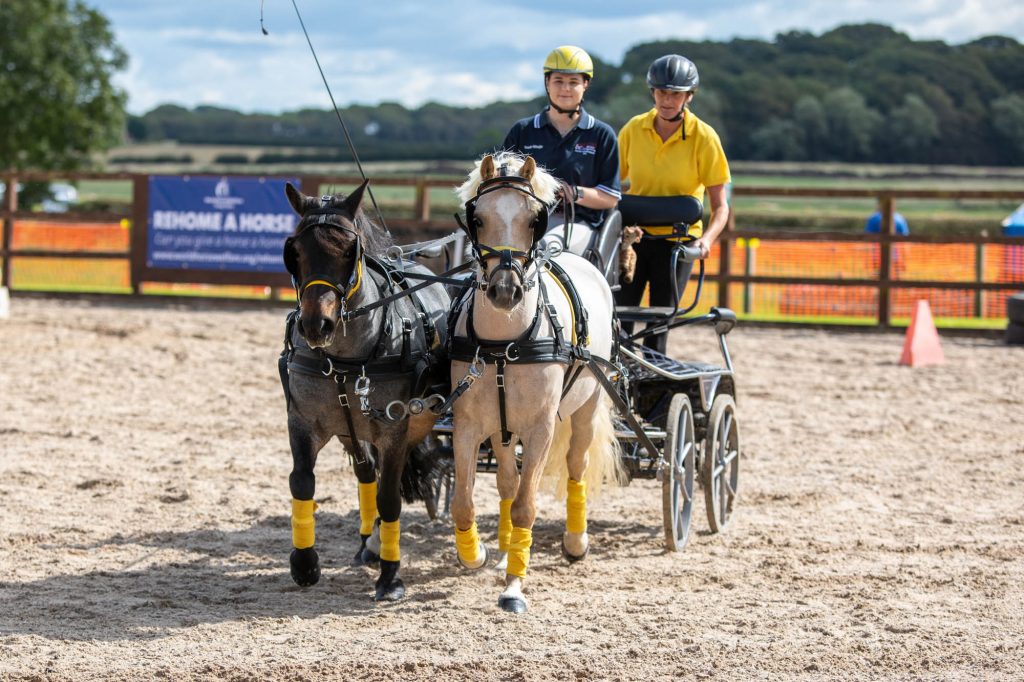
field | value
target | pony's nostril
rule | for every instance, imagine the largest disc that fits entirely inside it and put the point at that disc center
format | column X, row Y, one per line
column 326, row 327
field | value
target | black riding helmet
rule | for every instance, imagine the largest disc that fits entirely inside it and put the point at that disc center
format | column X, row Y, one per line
column 673, row 72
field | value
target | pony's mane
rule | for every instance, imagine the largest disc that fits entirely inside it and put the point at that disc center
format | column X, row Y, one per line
column 544, row 184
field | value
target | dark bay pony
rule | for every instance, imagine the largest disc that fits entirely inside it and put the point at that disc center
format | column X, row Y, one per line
column 358, row 365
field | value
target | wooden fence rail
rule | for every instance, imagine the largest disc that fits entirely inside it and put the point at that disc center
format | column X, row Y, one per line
column 424, row 224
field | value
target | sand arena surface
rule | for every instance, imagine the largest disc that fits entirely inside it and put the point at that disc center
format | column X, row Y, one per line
column 144, row 527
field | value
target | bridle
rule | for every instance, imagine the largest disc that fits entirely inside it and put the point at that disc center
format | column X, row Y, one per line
column 349, row 288
column 507, row 255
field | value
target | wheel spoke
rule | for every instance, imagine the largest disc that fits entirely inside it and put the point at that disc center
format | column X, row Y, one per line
column 723, row 501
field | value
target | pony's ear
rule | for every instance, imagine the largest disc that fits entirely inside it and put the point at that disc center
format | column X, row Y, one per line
column 296, row 198
column 487, row 168
column 528, row 168
column 354, row 200
column 291, row 256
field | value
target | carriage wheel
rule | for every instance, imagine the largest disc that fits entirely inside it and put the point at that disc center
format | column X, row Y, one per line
column 677, row 475
column 720, row 469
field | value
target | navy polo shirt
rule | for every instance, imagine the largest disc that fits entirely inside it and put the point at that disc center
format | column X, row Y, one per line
column 587, row 156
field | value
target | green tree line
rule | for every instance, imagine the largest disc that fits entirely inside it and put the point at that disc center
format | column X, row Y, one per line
column 856, row 93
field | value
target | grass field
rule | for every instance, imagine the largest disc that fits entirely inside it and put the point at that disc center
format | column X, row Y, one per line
column 925, row 216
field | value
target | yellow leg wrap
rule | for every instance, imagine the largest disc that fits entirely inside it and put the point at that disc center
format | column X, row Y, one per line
column 367, row 507
column 389, row 532
column 504, row 525
column 467, row 542
column 576, row 507
column 519, row 552
column 303, row 524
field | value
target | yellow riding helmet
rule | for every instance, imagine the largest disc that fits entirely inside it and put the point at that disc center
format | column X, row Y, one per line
column 569, row 59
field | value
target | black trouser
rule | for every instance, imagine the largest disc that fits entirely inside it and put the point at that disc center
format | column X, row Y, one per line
column 654, row 267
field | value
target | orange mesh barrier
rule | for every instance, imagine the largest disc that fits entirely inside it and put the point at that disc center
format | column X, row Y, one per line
column 80, row 274
column 55, row 236
column 806, row 302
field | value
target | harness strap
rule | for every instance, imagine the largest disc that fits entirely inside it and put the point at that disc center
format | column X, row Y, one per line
column 286, row 357
column 408, row 290
column 506, row 435
column 567, row 381
column 357, row 451
column 595, row 363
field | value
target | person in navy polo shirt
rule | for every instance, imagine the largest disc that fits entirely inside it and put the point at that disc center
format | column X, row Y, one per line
column 572, row 145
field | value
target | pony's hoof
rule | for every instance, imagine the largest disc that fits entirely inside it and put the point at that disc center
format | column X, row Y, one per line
column 392, row 592
column 371, row 547
column 481, row 551
column 573, row 557
column 365, row 557
column 502, row 563
column 368, row 558
column 389, row 586
column 305, row 567
column 512, row 604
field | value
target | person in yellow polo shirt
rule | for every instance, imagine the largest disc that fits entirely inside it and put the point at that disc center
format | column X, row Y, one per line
column 668, row 151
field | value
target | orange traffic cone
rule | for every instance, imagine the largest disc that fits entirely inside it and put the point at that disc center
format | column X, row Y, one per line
column 921, row 346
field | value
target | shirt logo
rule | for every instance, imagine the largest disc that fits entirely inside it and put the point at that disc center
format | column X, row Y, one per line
column 533, row 146
column 587, row 149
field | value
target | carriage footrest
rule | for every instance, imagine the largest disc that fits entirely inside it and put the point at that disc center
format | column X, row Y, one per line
column 652, row 363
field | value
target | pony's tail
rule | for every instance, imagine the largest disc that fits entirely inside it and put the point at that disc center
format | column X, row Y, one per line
column 421, row 469
column 604, row 464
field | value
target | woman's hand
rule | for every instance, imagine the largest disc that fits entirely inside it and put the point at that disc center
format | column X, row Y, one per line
column 705, row 248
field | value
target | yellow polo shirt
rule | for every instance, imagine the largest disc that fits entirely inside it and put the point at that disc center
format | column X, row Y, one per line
column 688, row 162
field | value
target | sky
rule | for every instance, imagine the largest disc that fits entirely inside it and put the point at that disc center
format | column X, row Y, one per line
column 463, row 52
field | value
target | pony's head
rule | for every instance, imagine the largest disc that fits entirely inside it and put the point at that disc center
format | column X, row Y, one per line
column 325, row 258
column 506, row 198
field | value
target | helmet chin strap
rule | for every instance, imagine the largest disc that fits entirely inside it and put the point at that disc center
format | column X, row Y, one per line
column 570, row 112
column 677, row 117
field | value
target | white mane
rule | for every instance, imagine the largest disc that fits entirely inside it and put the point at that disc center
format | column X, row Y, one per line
column 544, row 184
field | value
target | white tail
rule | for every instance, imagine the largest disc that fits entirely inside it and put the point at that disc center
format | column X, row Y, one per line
column 603, row 465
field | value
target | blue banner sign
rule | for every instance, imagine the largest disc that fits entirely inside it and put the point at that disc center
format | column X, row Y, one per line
column 218, row 223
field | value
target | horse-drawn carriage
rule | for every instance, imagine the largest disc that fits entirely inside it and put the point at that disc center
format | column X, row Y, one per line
column 535, row 331
column 677, row 419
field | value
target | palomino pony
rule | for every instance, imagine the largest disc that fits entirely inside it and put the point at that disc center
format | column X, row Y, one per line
column 522, row 330
column 358, row 364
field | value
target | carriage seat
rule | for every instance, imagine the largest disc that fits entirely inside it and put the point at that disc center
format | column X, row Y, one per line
column 681, row 211
column 603, row 249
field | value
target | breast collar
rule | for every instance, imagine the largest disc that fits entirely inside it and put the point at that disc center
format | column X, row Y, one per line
column 528, row 347
column 378, row 363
